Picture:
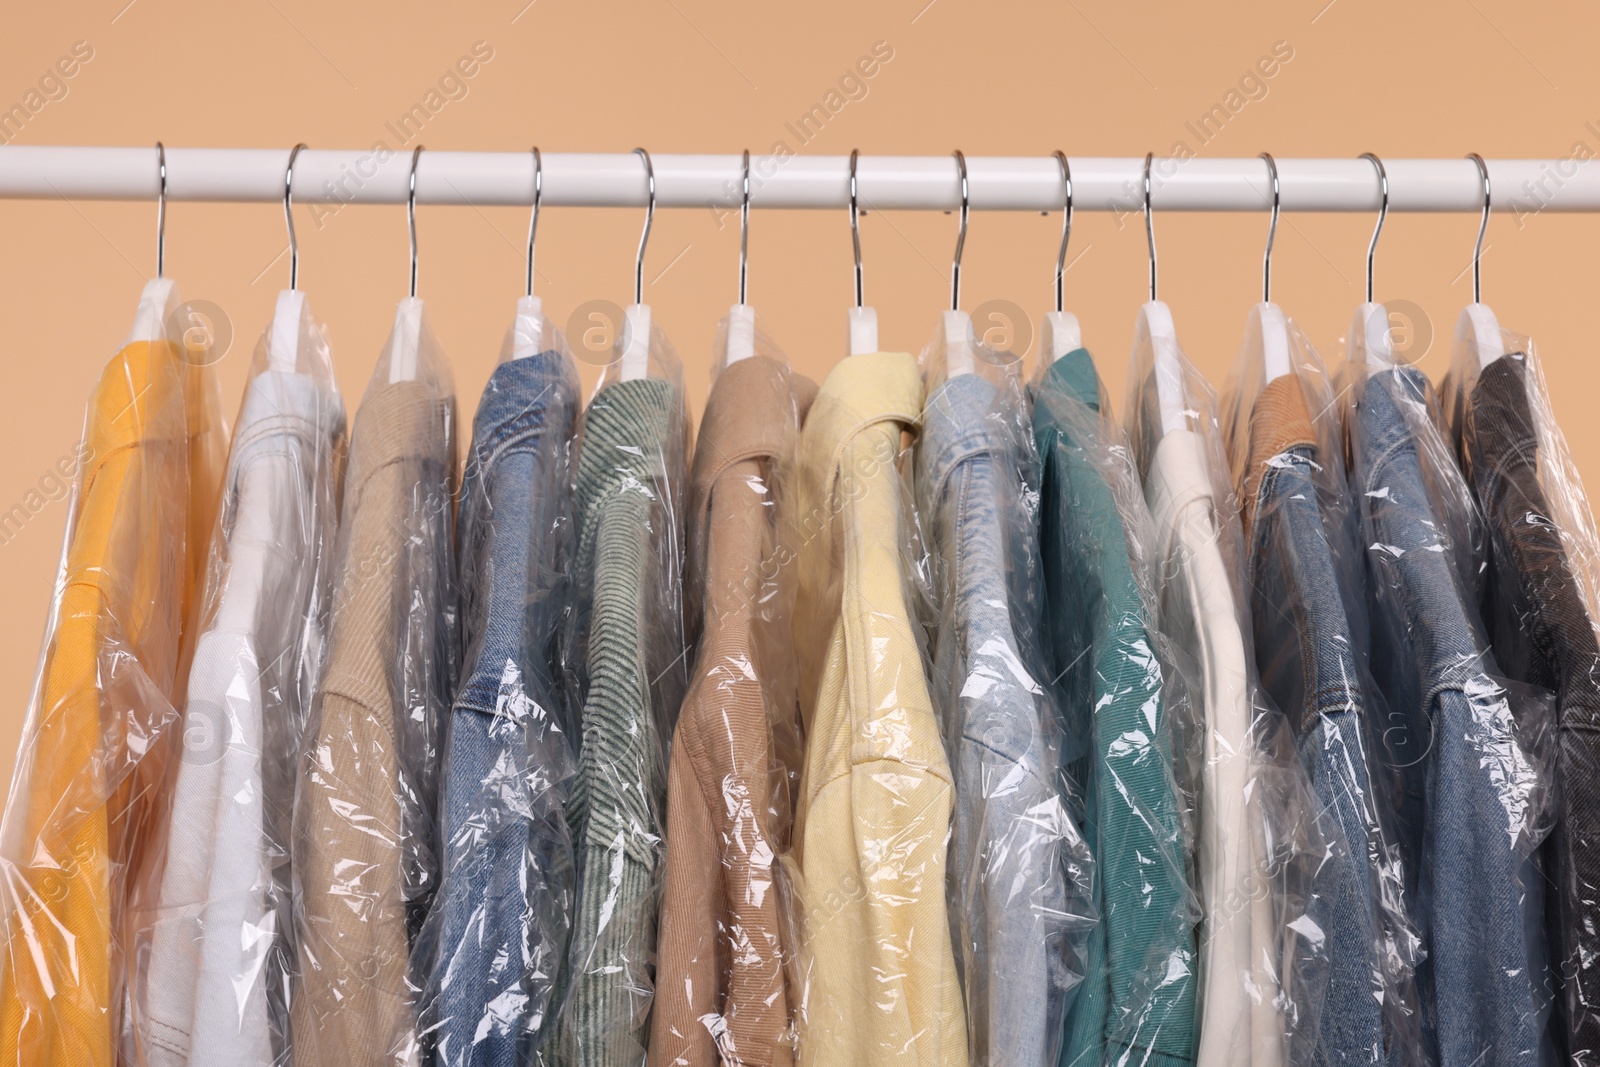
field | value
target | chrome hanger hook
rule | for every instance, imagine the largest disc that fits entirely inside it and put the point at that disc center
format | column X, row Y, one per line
column 161, row 213
column 1483, row 227
column 649, row 216
column 744, row 229
column 1149, row 224
column 288, row 217
column 1272, row 231
column 533, row 223
column 1383, row 211
column 961, row 235
column 855, row 225
column 411, row 218
column 1066, row 227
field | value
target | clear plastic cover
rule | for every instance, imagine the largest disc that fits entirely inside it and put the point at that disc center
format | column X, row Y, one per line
column 214, row 950
column 490, row 955
column 365, row 840
column 876, row 969
column 1310, row 626
column 1262, row 968
column 84, row 820
column 630, row 650
column 1021, row 892
column 1473, row 805
column 1110, row 666
column 725, row 956
column 1537, row 583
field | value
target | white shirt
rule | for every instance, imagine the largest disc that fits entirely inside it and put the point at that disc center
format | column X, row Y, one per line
column 214, row 937
column 1239, row 943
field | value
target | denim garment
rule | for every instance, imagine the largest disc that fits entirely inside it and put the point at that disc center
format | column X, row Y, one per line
column 1485, row 983
column 1308, row 657
column 1019, row 870
column 1138, row 1003
column 1537, row 618
column 501, row 917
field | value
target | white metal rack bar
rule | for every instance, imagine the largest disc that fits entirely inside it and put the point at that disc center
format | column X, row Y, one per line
column 379, row 176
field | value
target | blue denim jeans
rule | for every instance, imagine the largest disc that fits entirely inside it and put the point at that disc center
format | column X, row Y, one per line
column 1485, row 985
column 498, row 931
column 1308, row 654
column 1021, row 891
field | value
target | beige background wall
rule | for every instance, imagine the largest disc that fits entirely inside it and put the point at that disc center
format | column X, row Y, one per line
column 1094, row 77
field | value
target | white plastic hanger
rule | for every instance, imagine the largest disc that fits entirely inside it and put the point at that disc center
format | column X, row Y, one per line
column 283, row 339
column 958, row 340
column 1061, row 333
column 408, row 316
column 1368, row 341
column 160, row 297
column 1154, row 340
column 636, row 320
column 1266, row 332
column 863, row 320
column 742, row 317
column 528, row 327
column 1477, row 325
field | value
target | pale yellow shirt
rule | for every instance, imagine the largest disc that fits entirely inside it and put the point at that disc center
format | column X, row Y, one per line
column 872, row 824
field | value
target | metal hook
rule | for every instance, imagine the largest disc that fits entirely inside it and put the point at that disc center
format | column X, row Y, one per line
column 1483, row 226
column 533, row 223
column 1066, row 225
column 411, row 218
column 288, row 217
column 161, row 213
column 1272, row 232
column 744, row 228
column 1383, row 211
column 855, row 225
column 1149, row 225
column 649, row 216
column 961, row 235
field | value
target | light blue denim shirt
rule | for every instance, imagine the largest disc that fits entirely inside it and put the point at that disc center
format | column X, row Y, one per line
column 1485, row 984
column 498, row 930
column 1020, row 890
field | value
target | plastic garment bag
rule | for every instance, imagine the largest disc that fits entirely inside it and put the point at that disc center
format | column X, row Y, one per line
column 629, row 644
column 83, row 822
column 1138, row 1002
column 365, row 842
column 873, row 817
column 1536, row 589
column 494, row 943
column 725, row 953
column 1309, row 619
column 1020, row 873
column 1257, row 846
column 215, row 915
column 1472, row 803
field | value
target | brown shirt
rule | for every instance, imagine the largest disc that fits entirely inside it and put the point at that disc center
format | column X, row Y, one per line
column 721, row 995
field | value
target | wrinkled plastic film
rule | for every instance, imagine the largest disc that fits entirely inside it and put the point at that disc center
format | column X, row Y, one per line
column 1540, row 570
column 214, row 942
column 876, row 970
column 366, row 845
column 1256, row 840
column 1021, row 892
column 1313, row 651
column 490, row 956
column 83, row 819
column 1110, row 666
column 725, row 956
column 630, row 649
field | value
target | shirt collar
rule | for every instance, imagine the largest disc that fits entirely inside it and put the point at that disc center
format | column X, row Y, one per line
column 139, row 399
column 751, row 413
column 862, row 391
column 959, row 422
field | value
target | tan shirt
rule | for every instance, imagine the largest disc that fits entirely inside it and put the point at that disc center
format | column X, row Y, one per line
column 721, row 995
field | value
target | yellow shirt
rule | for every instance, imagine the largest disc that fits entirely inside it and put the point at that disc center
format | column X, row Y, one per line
column 101, row 731
column 872, row 825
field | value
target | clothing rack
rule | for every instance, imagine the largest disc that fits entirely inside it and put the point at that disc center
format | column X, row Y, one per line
column 380, row 175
